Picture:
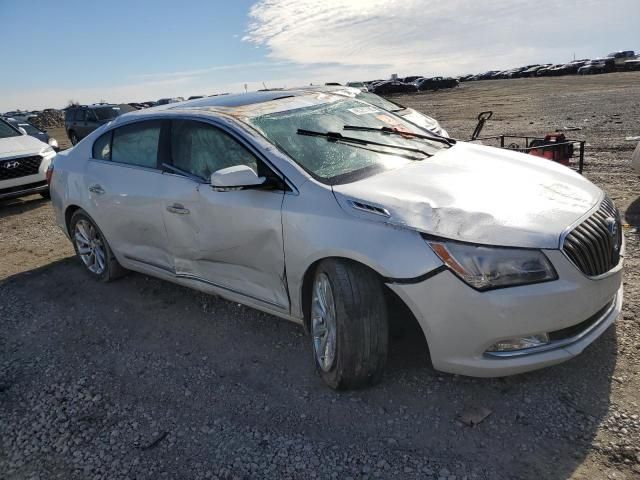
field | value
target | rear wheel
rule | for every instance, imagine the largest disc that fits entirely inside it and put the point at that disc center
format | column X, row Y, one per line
column 349, row 327
column 92, row 248
column 73, row 137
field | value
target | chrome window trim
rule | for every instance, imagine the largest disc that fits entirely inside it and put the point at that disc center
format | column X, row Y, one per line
column 126, row 165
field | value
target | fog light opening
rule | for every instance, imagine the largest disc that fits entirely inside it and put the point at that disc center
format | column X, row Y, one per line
column 514, row 344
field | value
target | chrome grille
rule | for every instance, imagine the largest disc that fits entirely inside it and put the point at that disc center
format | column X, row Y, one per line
column 594, row 245
column 19, row 167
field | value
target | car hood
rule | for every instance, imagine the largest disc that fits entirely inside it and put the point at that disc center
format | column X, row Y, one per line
column 20, row 145
column 478, row 194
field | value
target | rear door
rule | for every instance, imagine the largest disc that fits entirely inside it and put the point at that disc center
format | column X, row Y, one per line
column 124, row 182
column 230, row 239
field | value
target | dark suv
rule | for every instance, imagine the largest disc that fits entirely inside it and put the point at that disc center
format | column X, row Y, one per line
column 81, row 120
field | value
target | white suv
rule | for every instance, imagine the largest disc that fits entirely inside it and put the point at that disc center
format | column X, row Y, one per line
column 24, row 161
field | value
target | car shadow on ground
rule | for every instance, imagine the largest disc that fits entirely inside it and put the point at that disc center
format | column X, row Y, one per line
column 17, row 206
column 190, row 359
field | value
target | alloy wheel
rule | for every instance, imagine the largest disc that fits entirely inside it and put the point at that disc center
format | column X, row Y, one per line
column 323, row 322
column 90, row 246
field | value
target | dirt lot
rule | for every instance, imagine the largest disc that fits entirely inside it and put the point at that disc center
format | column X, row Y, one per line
column 142, row 379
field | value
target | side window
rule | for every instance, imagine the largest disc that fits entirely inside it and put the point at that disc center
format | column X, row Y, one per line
column 202, row 149
column 102, row 147
column 137, row 144
column 91, row 116
column 80, row 115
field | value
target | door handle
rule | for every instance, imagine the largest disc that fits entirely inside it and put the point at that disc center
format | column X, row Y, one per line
column 97, row 189
column 178, row 209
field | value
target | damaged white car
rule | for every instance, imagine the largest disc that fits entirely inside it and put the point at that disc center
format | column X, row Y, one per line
column 327, row 211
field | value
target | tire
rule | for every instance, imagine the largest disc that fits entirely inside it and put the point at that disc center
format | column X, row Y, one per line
column 108, row 268
column 357, row 354
column 73, row 137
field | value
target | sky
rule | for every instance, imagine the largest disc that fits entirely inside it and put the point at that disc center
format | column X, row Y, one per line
column 53, row 51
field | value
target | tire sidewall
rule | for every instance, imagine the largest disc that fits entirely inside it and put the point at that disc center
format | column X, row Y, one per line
column 81, row 215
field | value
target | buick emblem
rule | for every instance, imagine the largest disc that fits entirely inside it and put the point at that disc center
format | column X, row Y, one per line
column 11, row 165
column 612, row 226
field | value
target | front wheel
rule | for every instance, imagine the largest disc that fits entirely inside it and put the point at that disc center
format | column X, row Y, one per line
column 73, row 137
column 349, row 327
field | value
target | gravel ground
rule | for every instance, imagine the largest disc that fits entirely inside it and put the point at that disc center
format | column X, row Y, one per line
column 143, row 379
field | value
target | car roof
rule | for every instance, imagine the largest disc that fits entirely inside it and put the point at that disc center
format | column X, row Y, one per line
column 234, row 100
column 241, row 106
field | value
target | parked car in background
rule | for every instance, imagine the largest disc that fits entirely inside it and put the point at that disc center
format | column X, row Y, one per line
column 361, row 85
column 546, row 71
column 532, row 71
column 632, row 65
column 435, row 83
column 21, row 116
column 81, row 120
column 486, row 75
column 166, row 101
column 309, row 207
column 35, row 132
column 599, row 65
column 389, row 87
column 621, row 57
column 570, row 68
column 24, row 161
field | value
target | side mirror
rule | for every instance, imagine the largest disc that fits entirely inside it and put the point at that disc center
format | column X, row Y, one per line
column 22, row 131
column 236, row 177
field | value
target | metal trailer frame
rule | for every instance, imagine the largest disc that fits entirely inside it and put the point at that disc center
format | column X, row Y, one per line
column 515, row 142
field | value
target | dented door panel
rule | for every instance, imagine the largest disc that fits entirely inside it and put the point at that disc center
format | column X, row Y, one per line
column 228, row 239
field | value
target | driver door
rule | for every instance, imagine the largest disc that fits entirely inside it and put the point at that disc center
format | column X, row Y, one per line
column 230, row 239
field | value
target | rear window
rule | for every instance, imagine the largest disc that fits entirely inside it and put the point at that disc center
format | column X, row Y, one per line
column 106, row 113
column 102, row 147
column 137, row 144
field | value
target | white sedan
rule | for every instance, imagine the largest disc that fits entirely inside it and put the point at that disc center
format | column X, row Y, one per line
column 24, row 161
column 329, row 211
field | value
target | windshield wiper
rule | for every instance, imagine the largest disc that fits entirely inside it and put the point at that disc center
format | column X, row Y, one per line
column 338, row 137
column 392, row 131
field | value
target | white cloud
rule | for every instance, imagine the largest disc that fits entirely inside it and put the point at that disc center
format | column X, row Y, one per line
column 433, row 36
column 336, row 40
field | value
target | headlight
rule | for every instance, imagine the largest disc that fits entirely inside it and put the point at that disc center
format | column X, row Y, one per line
column 486, row 268
column 47, row 151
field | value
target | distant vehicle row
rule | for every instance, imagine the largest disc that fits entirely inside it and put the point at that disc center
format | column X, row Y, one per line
column 618, row 61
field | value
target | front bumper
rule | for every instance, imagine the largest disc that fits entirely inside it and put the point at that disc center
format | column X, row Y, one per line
column 29, row 184
column 23, row 190
column 461, row 324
